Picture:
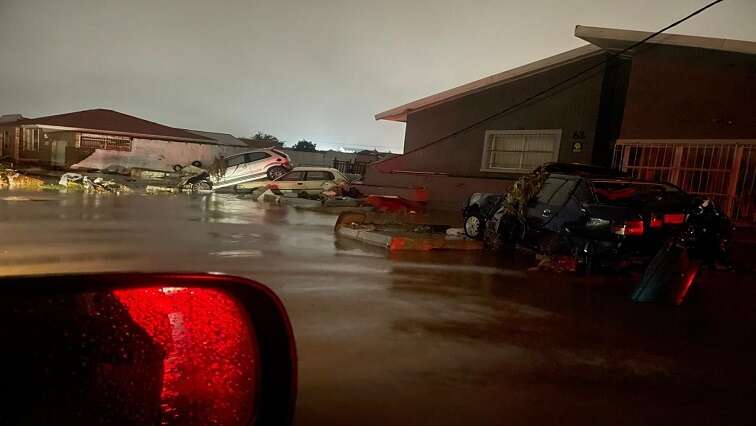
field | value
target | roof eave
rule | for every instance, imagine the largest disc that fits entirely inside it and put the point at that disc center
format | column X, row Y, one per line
column 613, row 39
column 400, row 113
column 116, row 133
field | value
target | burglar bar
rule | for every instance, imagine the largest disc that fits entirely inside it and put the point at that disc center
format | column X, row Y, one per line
column 722, row 171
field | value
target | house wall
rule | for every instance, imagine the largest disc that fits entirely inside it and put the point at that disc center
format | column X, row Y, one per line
column 156, row 155
column 573, row 109
column 687, row 93
column 443, row 192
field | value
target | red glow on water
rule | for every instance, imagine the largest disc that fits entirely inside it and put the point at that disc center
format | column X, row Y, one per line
column 209, row 370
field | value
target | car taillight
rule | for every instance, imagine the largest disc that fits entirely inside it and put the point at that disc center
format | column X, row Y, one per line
column 656, row 222
column 674, row 219
column 210, row 351
column 631, row 228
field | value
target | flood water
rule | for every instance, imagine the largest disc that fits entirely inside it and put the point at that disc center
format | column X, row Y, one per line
column 421, row 338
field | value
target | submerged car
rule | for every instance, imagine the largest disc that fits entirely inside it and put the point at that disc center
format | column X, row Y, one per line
column 260, row 164
column 595, row 217
column 312, row 180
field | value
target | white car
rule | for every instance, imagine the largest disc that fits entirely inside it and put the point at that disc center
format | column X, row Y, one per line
column 312, row 180
column 254, row 165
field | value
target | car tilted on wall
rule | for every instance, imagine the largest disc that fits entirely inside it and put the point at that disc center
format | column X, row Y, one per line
column 254, row 165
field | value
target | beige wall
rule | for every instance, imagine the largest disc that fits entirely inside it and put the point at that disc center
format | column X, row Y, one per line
column 156, row 155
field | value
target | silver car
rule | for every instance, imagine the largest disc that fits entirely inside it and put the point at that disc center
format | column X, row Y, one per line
column 267, row 163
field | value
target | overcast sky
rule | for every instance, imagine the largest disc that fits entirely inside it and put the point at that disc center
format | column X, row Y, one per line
column 314, row 69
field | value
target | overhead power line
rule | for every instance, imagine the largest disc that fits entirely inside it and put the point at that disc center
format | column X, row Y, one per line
column 563, row 82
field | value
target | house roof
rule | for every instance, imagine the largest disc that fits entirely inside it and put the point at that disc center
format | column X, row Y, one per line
column 224, row 139
column 613, row 39
column 261, row 143
column 601, row 39
column 10, row 118
column 113, row 122
column 400, row 113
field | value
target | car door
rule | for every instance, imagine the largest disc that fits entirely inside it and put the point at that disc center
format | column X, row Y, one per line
column 293, row 181
column 539, row 210
column 317, row 180
column 545, row 213
column 253, row 166
column 232, row 167
column 565, row 207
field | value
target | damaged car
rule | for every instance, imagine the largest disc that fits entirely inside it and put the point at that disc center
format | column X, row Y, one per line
column 596, row 216
column 260, row 164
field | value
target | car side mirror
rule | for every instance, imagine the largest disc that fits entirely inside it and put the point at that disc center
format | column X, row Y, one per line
column 145, row 349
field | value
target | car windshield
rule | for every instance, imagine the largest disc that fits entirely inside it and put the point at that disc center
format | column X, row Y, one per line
column 478, row 212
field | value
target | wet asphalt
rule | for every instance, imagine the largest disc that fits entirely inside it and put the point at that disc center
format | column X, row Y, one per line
column 440, row 338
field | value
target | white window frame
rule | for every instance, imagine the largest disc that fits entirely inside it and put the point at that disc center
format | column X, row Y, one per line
column 485, row 160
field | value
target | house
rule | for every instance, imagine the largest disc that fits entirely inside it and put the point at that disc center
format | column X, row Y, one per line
column 261, row 143
column 677, row 108
column 98, row 138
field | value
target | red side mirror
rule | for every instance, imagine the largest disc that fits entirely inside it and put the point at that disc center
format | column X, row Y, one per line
column 145, row 349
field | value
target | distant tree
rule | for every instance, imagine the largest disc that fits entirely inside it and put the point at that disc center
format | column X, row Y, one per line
column 304, row 145
column 262, row 136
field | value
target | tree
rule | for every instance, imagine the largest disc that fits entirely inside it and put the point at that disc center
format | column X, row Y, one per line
column 262, row 136
column 304, row 145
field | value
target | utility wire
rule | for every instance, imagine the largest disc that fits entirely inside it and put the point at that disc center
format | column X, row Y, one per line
column 563, row 82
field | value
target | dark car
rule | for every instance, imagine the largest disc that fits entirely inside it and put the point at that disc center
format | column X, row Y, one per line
column 594, row 217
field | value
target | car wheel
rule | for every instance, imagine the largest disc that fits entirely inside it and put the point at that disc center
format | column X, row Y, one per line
column 276, row 172
column 202, row 185
column 584, row 260
column 474, row 227
column 197, row 163
column 177, row 167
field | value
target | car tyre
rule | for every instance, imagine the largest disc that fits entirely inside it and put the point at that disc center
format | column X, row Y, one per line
column 202, row 185
column 177, row 167
column 474, row 227
column 276, row 172
column 197, row 163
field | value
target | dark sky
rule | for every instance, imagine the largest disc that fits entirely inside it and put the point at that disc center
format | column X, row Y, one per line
column 317, row 69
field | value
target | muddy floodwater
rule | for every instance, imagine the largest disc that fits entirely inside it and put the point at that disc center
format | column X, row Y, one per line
column 422, row 338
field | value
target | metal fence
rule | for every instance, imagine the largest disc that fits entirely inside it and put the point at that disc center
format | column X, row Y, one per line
column 723, row 171
column 355, row 168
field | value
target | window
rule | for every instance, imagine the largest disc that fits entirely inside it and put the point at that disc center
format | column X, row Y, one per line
column 293, row 176
column 583, row 193
column 31, row 139
column 549, row 188
column 111, row 143
column 319, row 176
column 235, row 160
column 562, row 194
column 555, row 192
column 519, row 150
column 255, row 156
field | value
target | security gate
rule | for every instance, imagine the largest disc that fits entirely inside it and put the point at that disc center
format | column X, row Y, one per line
column 721, row 170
